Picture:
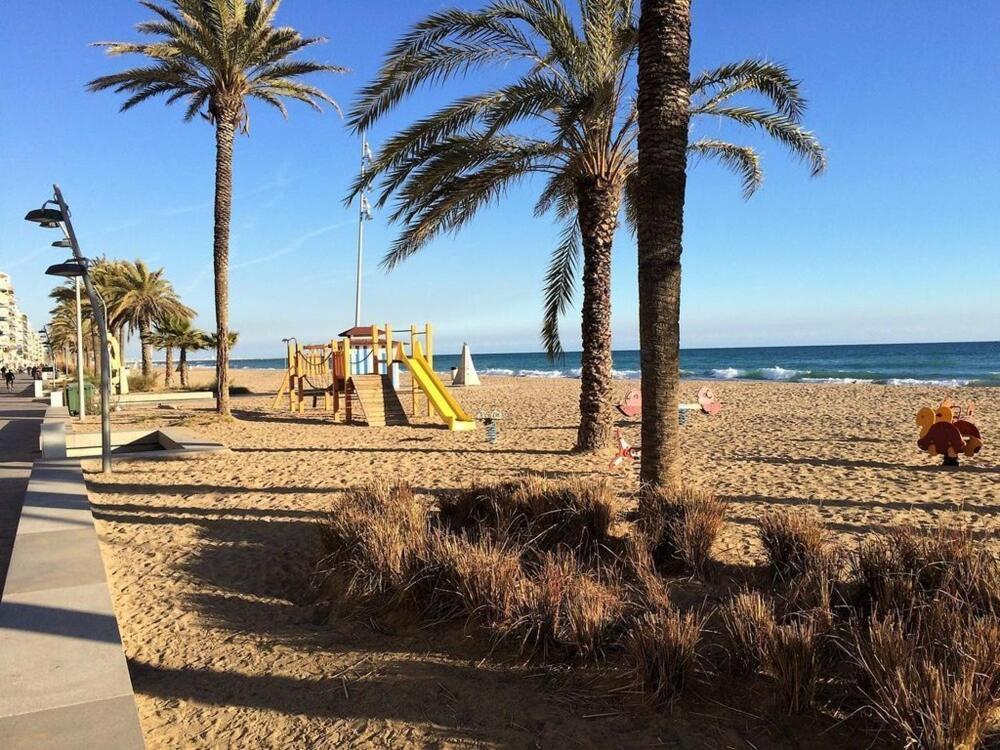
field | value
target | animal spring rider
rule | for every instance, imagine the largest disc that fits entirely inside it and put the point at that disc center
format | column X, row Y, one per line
column 490, row 420
column 949, row 432
column 631, row 407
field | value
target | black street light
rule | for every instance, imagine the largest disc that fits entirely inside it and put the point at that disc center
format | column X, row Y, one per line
column 62, row 243
column 43, row 335
column 59, row 218
column 69, row 269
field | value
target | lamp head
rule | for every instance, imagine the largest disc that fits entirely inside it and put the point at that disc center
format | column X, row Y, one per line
column 68, row 269
column 49, row 218
column 64, row 242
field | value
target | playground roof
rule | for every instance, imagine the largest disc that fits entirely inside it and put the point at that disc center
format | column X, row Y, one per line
column 361, row 332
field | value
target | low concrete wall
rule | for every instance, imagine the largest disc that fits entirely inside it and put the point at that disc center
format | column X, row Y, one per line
column 169, row 396
column 168, row 442
column 64, row 681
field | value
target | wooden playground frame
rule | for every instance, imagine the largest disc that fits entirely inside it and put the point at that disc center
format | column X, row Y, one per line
column 326, row 370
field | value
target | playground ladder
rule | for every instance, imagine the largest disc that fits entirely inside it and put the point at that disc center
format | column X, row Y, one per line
column 378, row 400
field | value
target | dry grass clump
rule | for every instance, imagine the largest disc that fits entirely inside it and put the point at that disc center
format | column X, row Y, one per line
column 681, row 526
column 748, row 623
column 547, row 513
column 906, row 568
column 926, row 639
column 481, row 581
column 661, row 647
column 932, row 679
column 795, row 544
column 796, row 658
column 375, row 540
column 568, row 609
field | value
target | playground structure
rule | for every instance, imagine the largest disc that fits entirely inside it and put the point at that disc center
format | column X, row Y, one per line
column 949, row 431
column 119, row 373
column 361, row 371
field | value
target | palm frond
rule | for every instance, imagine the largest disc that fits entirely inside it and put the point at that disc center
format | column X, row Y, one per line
column 782, row 128
column 742, row 160
column 770, row 79
column 560, row 284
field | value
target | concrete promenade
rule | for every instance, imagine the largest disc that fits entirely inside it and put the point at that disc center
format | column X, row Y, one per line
column 64, row 680
column 20, row 420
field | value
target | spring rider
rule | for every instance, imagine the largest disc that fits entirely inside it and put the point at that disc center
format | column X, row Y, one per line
column 949, row 432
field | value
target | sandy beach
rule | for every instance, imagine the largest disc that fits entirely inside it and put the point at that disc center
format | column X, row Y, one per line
column 209, row 559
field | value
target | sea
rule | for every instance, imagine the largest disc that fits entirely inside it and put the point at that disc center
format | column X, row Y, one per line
column 941, row 364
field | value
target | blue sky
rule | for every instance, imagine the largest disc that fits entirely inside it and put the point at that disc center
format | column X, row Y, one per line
column 897, row 242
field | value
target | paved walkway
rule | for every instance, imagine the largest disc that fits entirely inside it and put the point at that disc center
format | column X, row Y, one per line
column 64, row 681
column 20, row 419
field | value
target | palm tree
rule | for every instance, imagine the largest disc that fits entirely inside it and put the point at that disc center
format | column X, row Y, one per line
column 62, row 331
column 105, row 273
column 664, row 114
column 160, row 339
column 216, row 55
column 164, row 338
column 183, row 335
column 213, row 343
column 576, row 97
column 145, row 298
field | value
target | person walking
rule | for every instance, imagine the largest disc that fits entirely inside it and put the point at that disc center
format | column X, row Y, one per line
column 8, row 377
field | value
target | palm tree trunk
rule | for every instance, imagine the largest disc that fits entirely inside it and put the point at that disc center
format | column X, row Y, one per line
column 663, row 106
column 121, row 344
column 224, row 131
column 598, row 202
column 168, row 362
column 147, row 350
column 183, row 368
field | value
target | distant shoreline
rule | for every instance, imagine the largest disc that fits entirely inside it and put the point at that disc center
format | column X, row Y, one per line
column 951, row 365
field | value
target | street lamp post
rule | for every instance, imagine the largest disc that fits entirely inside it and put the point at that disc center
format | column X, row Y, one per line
column 60, row 219
column 82, row 414
column 43, row 334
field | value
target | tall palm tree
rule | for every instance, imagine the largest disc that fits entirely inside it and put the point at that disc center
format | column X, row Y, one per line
column 183, row 335
column 216, row 55
column 211, row 340
column 164, row 338
column 160, row 340
column 145, row 298
column 105, row 274
column 575, row 95
column 664, row 114
column 62, row 331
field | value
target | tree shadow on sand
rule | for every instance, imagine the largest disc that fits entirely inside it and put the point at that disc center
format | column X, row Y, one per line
column 246, row 579
column 852, row 463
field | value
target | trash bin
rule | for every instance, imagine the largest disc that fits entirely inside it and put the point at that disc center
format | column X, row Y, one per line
column 73, row 397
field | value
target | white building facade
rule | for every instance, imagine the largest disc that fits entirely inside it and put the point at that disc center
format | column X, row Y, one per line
column 20, row 344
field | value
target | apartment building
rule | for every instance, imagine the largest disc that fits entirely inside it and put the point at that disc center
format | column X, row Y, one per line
column 20, row 344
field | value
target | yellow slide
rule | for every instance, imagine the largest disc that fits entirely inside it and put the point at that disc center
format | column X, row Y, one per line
column 444, row 403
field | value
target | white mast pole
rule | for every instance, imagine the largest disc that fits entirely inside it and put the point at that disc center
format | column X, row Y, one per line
column 364, row 214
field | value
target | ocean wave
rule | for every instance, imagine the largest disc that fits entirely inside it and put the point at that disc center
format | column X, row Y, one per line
column 626, row 374
column 946, row 383
column 843, row 381
column 778, row 373
column 498, row 371
column 540, row 374
column 728, row 373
